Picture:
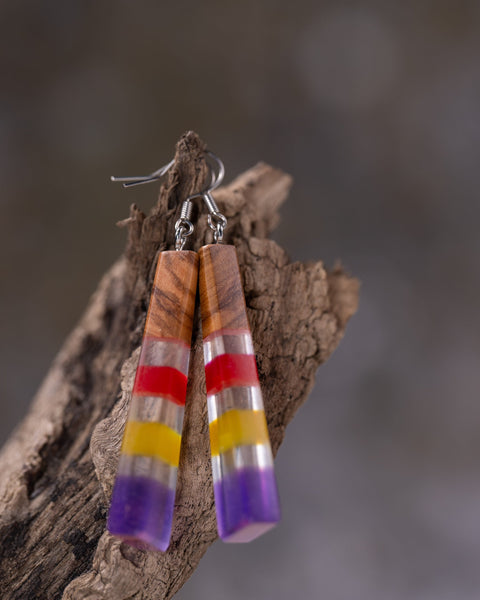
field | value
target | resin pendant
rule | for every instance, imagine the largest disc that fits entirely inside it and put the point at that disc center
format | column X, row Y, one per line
column 144, row 491
column 245, row 490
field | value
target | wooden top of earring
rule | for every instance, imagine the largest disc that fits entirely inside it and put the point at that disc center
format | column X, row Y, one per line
column 222, row 301
column 172, row 303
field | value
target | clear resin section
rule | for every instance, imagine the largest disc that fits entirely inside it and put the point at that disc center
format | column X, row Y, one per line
column 245, row 489
column 143, row 496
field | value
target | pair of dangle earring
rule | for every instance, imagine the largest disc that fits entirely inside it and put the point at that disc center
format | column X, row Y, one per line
column 245, row 491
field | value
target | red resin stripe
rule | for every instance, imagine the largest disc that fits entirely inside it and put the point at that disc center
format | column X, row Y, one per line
column 161, row 381
column 228, row 370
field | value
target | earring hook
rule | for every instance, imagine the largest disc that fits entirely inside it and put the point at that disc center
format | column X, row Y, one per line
column 141, row 179
column 217, row 178
column 184, row 226
column 216, row 221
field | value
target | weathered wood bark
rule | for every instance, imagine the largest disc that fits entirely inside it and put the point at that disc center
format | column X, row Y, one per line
column 58, row 467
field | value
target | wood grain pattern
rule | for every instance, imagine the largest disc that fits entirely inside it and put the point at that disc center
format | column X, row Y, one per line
column 170, row 314
column 221, row 292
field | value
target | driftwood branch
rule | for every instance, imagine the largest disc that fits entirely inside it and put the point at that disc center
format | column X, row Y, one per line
column 58, row 467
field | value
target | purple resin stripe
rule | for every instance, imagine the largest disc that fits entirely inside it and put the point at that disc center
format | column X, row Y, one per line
column 247, row 504
column 141, row 512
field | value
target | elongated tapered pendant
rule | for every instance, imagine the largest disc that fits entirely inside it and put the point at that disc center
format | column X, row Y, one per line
column 245, row 490
column 144, row 492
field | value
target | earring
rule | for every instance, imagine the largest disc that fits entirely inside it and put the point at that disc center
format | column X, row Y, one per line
column 245, row 489
column 143, row 495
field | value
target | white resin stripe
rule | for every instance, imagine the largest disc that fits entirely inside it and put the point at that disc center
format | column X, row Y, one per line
column 147, row 466
column 227, row 344
column 157, row 409
column 234, row 398
column 258, row 456
column 165, row 353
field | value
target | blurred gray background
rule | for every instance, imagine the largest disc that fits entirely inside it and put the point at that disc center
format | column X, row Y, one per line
column 373, row 107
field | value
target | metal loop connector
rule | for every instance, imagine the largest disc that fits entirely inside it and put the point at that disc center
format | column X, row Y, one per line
column 183, row 229
column 217, row 222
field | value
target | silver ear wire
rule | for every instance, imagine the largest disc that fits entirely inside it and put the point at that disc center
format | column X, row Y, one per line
column 217, row 177
column 216, row 221
column 221, row 172
column 141, row 179
column 184, row 226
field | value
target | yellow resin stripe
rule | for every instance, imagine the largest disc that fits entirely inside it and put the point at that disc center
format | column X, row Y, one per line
column 238, row 428
column 152, row 439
